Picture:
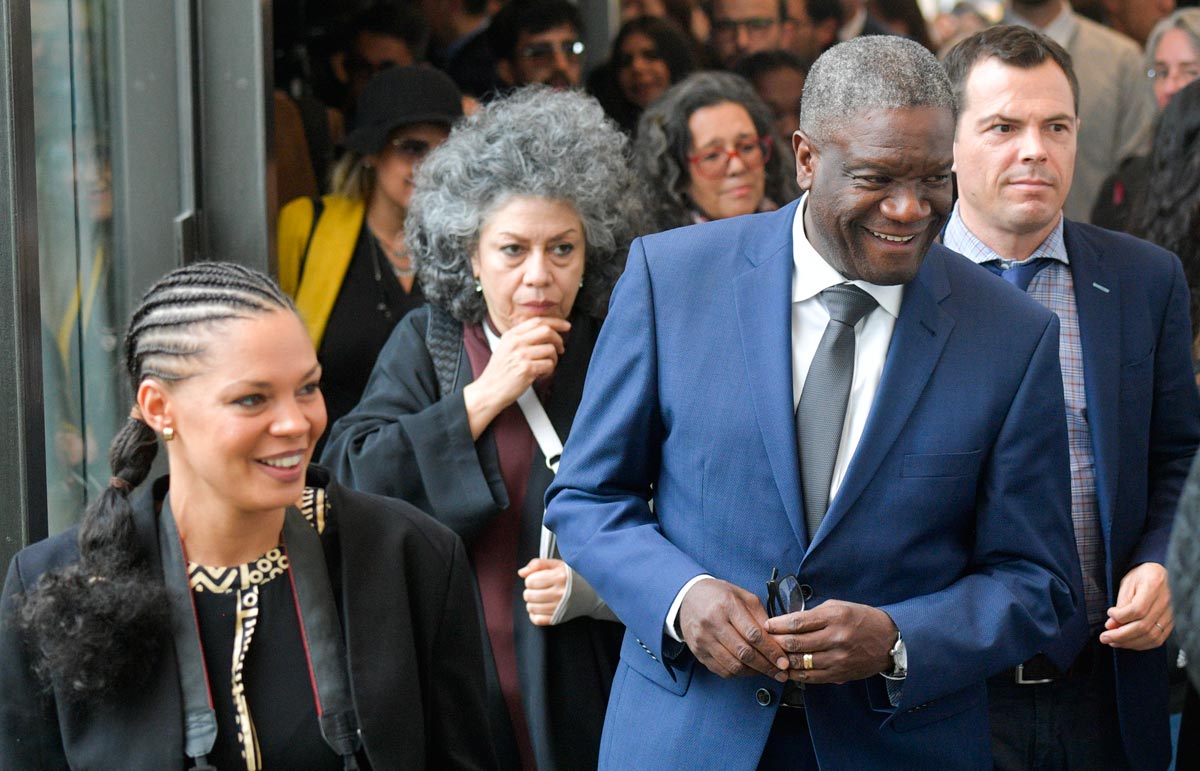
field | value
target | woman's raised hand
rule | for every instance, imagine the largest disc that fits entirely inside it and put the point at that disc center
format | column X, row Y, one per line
column 526, row 352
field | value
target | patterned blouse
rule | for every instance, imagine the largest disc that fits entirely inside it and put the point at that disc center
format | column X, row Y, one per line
column 255, row 660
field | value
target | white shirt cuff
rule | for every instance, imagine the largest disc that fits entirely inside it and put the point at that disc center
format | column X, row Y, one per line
column 673, row 613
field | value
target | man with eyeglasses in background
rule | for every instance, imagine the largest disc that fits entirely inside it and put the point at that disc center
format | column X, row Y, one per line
column 744, row 27
column 538, row 42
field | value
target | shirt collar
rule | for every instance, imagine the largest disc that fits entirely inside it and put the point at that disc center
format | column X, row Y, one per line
column 1061, row 29
column 813, row 275
column 959, row 238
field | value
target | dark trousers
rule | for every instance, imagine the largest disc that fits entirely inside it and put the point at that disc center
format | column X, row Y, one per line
column 789, row 747
column 1067, row 724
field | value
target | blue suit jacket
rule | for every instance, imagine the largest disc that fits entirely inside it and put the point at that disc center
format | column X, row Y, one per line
column 953, row 516
column 1144, row 414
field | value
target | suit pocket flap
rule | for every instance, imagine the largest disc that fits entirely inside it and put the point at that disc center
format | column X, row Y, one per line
column 940, row 709
column 942, row 464
column 674, row 676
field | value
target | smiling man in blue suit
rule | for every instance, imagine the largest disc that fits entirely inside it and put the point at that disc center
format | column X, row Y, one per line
column 819, row 392
column 1133, row 413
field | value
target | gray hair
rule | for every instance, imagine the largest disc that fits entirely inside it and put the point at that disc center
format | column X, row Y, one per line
column 539, row 143
column 866, row 73
column 1187, row 20
column 664, row 142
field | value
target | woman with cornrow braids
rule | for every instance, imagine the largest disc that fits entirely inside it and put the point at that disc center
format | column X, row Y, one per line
column 245, row 611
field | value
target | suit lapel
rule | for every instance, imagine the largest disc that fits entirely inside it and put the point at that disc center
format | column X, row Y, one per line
column 921, row 332
column 1098, row 303
column 762, row 296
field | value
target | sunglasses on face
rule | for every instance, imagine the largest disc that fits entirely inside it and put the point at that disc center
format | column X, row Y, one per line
column 542, row 52
column 409, row 148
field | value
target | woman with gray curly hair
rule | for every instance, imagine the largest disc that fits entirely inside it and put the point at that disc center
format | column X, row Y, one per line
column 519, row 228
column 706, row 146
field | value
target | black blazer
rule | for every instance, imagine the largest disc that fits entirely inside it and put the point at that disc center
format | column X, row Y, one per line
column 412, row 639
column 406, row 439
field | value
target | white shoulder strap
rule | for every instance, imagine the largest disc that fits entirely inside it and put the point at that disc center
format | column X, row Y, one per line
column 535, row 416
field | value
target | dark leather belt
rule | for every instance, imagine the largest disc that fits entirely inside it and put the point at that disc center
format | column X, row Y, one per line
column 793, row 695
column 1039, row 669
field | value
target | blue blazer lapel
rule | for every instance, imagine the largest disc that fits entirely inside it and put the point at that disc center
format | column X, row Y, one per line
column 921, row 332
column 1098, row 302
column 763, row 300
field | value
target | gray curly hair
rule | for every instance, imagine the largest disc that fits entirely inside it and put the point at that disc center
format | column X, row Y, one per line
column 664, row 142
column 870, row 72
column 540, row 143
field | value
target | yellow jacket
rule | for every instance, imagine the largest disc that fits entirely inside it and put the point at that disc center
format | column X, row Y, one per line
column 329, row 254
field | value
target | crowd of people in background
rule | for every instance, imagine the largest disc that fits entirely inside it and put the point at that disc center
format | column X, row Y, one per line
column 458, row 195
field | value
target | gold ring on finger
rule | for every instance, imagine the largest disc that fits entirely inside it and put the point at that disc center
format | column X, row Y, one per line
column 807, row 661
column 1160, row 626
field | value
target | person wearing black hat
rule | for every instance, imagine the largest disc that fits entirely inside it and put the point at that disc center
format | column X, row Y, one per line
column 342, row 257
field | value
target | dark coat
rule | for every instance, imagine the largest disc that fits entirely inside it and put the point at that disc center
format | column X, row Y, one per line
column 411, row 636
column 407, row 440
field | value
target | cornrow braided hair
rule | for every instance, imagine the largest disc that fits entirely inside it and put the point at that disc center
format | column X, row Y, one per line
column 97, row 625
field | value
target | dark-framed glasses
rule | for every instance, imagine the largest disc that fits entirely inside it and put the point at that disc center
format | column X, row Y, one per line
column 544, row 52
column 784, row 595
column 409, row 148
column 713, row 162
column 756, row 26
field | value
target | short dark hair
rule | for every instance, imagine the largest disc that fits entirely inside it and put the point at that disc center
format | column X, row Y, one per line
column 763, row 62
column 820, row 10
column 708, row 8
column 1012, row 45
column 396, row 21
column 530, row 17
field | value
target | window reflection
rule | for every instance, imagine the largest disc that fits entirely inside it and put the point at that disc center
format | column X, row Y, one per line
column 81, row 316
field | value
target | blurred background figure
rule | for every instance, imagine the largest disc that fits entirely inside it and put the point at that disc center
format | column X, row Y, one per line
column 962, row 21
column 538, row 41
column 857, row 20
column 706, row 149
column 1183, row 574
column 519, row 228
column 649, row 55
column 460, row 44
column 778, row 77
column 1168, row 210
column 686, row 13
column 1172, row 61
column 343, row 257
column 1136, row 18
column 903, row 18
column 383, row 36
column 744, row 27
column 812, row 26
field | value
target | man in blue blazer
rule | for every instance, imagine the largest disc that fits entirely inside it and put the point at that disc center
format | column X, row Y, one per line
column 1133, row 414
column 936, row 549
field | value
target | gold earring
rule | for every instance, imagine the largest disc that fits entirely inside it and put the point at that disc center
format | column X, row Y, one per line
column 168, row 433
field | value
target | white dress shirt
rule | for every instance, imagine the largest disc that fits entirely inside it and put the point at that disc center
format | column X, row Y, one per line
column 811, row 275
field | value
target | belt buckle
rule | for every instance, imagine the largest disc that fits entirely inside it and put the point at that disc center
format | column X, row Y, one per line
column 1022, row 680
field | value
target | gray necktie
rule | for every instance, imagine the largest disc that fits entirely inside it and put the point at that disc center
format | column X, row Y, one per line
column 822, row 409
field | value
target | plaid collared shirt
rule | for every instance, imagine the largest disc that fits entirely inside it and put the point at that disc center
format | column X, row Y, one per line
column 1054, row 287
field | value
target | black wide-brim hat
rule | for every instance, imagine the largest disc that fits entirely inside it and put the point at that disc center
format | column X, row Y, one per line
column 402, row 96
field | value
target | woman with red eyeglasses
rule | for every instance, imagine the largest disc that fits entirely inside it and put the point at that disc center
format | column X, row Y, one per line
column 342, row 257
column 705, row 147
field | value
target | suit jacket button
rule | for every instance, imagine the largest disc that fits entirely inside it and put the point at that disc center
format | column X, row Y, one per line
column 806, row 592
column 763, row 697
